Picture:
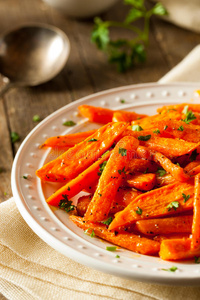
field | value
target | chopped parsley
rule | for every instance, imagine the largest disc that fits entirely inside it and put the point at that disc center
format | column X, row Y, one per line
column 196, row 260
column 69, row 123
column 189, row 117
column 92, row 233
column 25, row 177
column 108, row 221
column 122, row 101
column 123, row 151
column 122, row 171
column 111, row 248
column 181, row 128
column 138, row 211
column 100, row 195
column 144, row 137
column 185, row 110
column 36, row 118
column 136, row 128
column 157, row 131
column 161, row 172
column 117, row 256
column 93, row 140
column 105, row 153
column 178, row 164
column 66, row 204
column 194, row 155
column 172, row 269
column 186, row 198
column 102, row 166
column 165, row 127
column 174, row 205
column 14, row 137
column 68, row 188
column 147, row 169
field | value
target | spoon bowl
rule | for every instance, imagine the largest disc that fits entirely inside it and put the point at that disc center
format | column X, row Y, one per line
column 33, row 54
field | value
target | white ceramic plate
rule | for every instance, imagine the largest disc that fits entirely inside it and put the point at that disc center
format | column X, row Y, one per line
column 55, row 228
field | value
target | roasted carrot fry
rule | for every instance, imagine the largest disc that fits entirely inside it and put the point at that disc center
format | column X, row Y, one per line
column 194, row 171
column 176, row 249
column 171, row 199
column 171, row 236
column 103, row 115
column 175, row 170
column 165, row 225
column 111, row 179
column 165, row 179
column 143, row 182
column 82, row 204
column 170, row 147
column 180, row 107
column 83, row 180
column 126, row 240
column 75, row 160
column 193, row 164
column 138, row 165
column 196, row 216
column 68, row 140
column 126, row 116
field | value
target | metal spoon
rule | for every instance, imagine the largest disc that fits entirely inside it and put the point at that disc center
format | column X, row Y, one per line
column 31, row 55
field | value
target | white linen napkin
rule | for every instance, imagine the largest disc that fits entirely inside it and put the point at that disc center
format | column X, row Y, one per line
column 30, row 269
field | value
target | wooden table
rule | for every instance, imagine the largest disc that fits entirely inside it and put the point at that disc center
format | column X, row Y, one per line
column 86, row 72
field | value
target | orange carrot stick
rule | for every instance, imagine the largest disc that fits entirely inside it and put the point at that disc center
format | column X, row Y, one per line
column 68, row 140
column 82, row 181
column 180, row 107
column 141, row 165
column 165, row 225
column 126, row 116
column 176, row 249
column 175, row 170
column 111, row 179
column 171, row 199
column 75, row 160
column 165, row 179
column 126, row 240
column 196, row 217
column 143, row 182
column 103, row 115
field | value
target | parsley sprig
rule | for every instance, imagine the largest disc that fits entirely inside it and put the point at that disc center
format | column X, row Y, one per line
column 123, row 52
column 66, row 204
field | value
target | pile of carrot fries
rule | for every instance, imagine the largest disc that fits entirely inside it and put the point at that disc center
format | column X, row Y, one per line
column 142, row 178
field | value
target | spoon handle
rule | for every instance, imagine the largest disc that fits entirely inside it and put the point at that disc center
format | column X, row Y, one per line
column 5, row 87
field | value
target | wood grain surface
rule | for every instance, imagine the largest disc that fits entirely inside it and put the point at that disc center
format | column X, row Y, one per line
column 86, row 71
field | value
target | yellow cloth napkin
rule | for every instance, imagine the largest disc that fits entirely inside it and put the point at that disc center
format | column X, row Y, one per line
column 30, row 269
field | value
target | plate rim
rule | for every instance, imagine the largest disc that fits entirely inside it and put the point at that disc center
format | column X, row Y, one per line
column 82, row 258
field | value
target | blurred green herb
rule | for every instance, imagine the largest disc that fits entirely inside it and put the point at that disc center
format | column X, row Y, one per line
column 125, row 53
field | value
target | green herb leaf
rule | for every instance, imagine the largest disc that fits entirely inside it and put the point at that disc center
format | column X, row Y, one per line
column 196, row 260
column 135, row 3
column 194, row 155
column 111, row 248
column 102, row 166
column 138, row 211
column 123, row 151
column 136, row 128
column 69, row 123
column 117, row 256
column 172, row 269
column 134, row 14
column 122, row 171
column 93, row 140
column 186, row 198
column 92, row 234
column 122, row 101
column 65, row 204
column 161, row 172
column 157, row 131
column 147, row 169
column 36, row 118
column 181, row 128
column 165, row 127
column 25, row 177
column 159, row 10
column 14, row 137
column 108, row 221
column 189, row 117
column 144, row 137
column 174, row 205
column 100, row 34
